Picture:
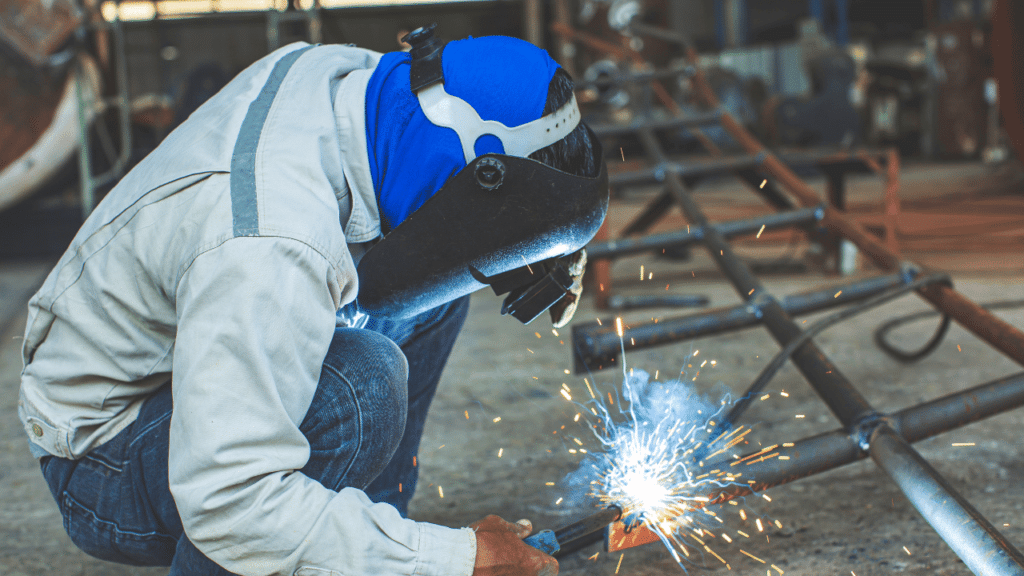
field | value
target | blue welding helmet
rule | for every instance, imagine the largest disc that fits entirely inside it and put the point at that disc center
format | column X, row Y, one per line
column 504, row 221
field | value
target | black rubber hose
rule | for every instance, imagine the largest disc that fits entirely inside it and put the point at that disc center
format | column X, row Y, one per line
column 909, row 357
column 902, row 355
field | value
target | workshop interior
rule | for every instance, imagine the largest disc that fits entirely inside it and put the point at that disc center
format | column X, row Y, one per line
column 798, row 341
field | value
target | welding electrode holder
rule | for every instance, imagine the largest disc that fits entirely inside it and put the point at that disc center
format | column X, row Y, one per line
column 565, row 540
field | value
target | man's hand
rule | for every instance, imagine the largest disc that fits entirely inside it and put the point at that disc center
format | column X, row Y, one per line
column 500, row 550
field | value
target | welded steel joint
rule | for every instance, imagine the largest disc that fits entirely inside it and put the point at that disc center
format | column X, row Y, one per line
column 760, row 298
column 861, row 431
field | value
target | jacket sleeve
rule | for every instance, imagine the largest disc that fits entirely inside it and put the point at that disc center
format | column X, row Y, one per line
column 255, row 319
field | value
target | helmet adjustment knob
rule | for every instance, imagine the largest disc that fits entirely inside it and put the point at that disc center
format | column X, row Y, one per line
column 490, row 173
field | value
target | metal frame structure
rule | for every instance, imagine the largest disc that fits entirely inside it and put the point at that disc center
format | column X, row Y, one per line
column 90, row 182
column 865, row 431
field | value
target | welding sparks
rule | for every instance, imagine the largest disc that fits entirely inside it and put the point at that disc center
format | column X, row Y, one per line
column 760, row 231
column 752, row 556
column 645, row 465
column 618, row 327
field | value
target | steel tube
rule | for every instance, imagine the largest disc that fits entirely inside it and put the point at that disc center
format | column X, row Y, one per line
column 627, row 246
column 634, row 78
column 987, row 326
column 828, row 382
column 982, row 548
column 731, row 164
column 620, row 302
column 830, row 450
column 837, row 448
column 638, row 27
column 597, row 346
column 603, row 130
column 588, row 525
column 959, row 409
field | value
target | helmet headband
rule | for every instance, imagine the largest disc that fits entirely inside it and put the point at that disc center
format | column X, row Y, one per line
column 448, row 111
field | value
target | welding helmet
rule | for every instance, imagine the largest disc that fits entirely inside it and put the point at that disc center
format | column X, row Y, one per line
column 503, row 220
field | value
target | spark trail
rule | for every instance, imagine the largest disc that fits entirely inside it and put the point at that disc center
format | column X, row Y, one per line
column 646, row 465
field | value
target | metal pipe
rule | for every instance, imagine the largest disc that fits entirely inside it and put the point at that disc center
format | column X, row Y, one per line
column 828, row 382
column 123, row 111
column 638, row 27
column 836, row 448
column 982, row 548
column 633, row 78
column 720, row 166
column 782, row 357
column 87, row 185
column 598, row 346
column 620, row 302
column 627, row 246
column 577, row 535
column 707, row 118
column 987, row 326
column 588, row 525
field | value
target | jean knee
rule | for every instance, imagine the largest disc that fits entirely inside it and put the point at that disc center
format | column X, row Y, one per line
column 377, row 366
column 365, row 384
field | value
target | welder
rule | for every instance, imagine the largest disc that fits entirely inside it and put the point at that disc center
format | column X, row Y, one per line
column 229, row 370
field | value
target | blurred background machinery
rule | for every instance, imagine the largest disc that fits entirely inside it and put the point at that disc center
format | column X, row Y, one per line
column 933, row 79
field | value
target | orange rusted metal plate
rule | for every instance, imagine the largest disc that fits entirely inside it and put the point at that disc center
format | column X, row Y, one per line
column 1007, row 46
column 617, row 538
column 37, row 29
column 27, row 105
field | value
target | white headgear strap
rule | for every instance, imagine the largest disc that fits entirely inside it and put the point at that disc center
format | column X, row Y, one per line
column 448, row 111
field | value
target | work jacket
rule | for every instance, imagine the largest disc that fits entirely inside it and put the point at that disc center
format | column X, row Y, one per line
column 223, row 258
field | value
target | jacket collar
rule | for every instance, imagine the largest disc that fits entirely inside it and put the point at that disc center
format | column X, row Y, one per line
column 363, row 223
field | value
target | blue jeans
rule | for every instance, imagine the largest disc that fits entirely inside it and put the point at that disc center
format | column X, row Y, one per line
column 363, row 426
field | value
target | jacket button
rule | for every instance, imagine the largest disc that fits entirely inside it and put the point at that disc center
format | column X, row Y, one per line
column 37, row 430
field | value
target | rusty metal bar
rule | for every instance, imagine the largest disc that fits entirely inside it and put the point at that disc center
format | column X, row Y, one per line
column 990, row 328
column 987, row 326
column 628, row 246
column 978, row 543
column 962, row 527
column 718, row 166
column 604, row 130
column 828, row 382
column 833, row 449
column 597, row 346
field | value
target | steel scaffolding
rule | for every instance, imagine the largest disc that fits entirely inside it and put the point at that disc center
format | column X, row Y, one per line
column 865, row 431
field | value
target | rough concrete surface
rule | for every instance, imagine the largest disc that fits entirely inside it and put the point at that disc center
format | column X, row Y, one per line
column 852, row 519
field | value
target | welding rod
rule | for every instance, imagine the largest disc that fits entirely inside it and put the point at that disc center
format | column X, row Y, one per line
column 561, row 541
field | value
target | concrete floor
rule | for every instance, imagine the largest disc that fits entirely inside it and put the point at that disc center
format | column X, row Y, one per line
column 849, row 520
